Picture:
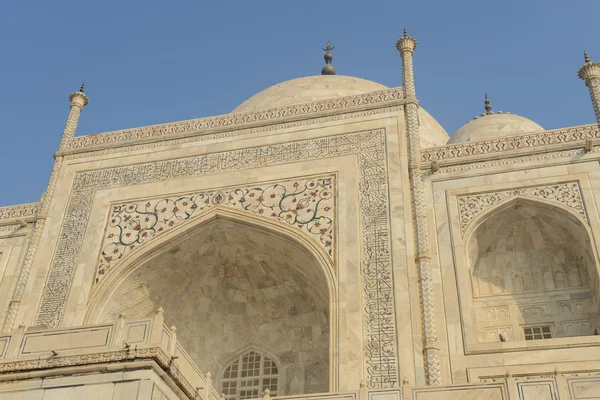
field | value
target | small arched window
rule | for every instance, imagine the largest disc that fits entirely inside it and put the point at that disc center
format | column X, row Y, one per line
column 248, row 376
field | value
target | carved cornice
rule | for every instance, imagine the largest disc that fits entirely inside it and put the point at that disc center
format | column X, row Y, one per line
column 19, row 211
column 153, row 353
column 138, row 145
column 473, row 151
column 229, row 122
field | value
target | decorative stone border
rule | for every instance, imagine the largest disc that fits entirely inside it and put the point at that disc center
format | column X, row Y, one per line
column 554, row 137
column 236, row 121
column 567, row 194
column 130, row 356
column 19, row 211
column 377, row 270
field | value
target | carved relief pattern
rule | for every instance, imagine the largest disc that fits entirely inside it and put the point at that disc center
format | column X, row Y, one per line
column 276, row 125
column 535, row 310
column 573, row 328
column 20, row 211
column 429, row 324
column 546, row 138
column 19, row 289
column 154, row 353
column 492, row 334
column 571, row 307
column 594, row 87
column 514, row 160
column 11, row 228
column 70, row 126
column 238, row 120
column 567, row 194
column 380, row 348
column 306, row 204
column 494, row 313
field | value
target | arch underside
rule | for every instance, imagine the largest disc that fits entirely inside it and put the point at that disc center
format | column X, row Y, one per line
column 226, row 286
column 532, row 265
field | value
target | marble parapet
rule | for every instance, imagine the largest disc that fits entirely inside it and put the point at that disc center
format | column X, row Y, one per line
column 506, row 147
column 236, row 121
column 36, row 352
column 21, row 211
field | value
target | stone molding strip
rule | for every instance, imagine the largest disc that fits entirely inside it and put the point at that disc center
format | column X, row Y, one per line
column 228, row 122
column 559, row 139
column 19, row 211
column 156, row 354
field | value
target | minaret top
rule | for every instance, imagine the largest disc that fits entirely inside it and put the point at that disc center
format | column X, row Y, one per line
column 79, row 98
column 328, row 69
column 406, row 43
column 589, row 70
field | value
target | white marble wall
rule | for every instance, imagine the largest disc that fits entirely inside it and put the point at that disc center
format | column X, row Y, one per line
column 379, row 178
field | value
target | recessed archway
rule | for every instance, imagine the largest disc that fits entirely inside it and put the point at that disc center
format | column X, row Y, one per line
column 533, row 268
column 227, row 283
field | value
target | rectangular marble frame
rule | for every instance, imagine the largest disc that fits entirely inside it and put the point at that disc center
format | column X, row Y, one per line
column 397, row 201
column 446, row 232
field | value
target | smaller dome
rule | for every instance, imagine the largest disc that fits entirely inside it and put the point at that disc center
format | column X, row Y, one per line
column 493, row 126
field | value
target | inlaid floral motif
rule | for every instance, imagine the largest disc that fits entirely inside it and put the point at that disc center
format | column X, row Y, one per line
column 567, row 194
column 306, row 204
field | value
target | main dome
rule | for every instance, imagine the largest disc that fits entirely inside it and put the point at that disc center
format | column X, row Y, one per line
column 325, row 87
column 308, row 90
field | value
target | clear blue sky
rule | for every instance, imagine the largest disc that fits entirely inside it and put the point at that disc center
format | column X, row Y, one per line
column 148, row 62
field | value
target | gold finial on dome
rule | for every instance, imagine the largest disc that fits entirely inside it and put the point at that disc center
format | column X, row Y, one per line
column 586, row 57
column 328, row 69
column 405, row 32
column 82, row 87
column 488, row 107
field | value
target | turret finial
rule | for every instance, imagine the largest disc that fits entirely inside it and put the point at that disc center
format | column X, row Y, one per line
column 328, row 69
column 82, row 87
column 406, row 43
column 586, row 57
column 488, row 107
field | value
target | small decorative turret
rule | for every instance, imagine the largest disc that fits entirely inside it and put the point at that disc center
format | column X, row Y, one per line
column 78, row 101
column 328, row 69
column 79, row 98
column 406, row 45
column 590, row 74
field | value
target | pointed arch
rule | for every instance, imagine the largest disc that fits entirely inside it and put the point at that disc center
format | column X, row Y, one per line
column 548, row 207
column 511, row 202
column 524, row 255
column 309, row 256
column 137, row 257
column 252, row 361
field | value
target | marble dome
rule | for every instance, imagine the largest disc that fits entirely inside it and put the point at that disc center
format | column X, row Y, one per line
column 493, row 126
column 324, row 87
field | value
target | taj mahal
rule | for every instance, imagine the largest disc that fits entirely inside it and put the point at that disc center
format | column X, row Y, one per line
column 326, row 240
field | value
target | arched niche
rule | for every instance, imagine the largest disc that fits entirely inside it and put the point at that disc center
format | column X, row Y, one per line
column 227, row 280
column 532, row 264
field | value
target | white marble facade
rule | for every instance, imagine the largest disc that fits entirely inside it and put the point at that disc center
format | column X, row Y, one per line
column 325, row 239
